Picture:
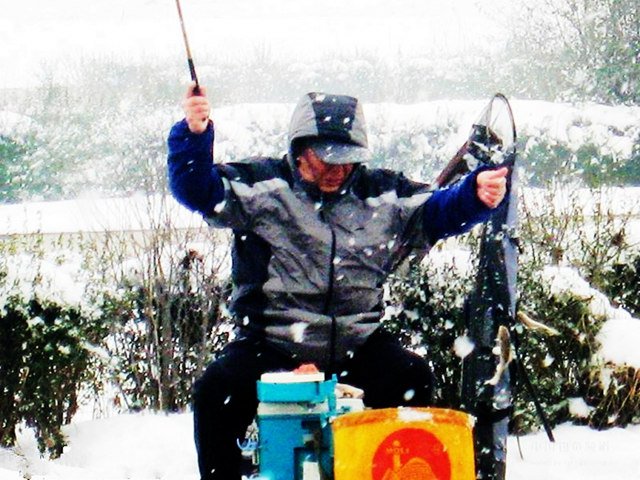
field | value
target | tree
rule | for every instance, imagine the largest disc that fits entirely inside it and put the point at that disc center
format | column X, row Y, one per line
column 589, row 48
column 13, row 168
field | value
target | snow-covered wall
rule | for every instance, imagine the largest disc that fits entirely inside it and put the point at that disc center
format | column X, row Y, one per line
column 137, row 213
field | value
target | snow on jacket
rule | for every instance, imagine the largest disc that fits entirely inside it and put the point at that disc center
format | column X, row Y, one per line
column 308, row 268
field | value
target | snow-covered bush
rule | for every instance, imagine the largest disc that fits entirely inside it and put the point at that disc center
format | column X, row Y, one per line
column 431, row 319
column 129, row 317
column 587, row 228
column 546, row 160
column 45, row 334
column 44, row 363
column 611, row 397
column 614, row 397
column 572, row 374
column 586, row 232
column 13, row 168
column 622, row 283
column 161, row 335
column 111, row 141
column 161, row 293
column 560, row 366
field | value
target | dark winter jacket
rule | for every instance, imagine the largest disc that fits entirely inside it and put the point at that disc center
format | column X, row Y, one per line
column 309, row 268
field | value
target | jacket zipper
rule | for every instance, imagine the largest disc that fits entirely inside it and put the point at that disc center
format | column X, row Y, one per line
column 329, row 295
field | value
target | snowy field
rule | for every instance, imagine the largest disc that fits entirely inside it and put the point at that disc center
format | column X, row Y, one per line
column 147, row 446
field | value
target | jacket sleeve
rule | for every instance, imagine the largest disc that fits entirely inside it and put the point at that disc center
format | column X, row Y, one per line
column 193, row 178
column 229, row 195
column 454, row 210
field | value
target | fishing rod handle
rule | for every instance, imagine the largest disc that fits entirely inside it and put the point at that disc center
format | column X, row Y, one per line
column 194, row 77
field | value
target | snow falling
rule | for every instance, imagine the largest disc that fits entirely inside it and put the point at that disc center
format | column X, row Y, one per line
column 145, row 446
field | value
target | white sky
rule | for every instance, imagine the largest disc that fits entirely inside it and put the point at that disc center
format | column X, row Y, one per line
column 37, row 32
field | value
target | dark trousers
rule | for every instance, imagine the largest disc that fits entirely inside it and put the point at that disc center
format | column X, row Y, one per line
column 225, row 402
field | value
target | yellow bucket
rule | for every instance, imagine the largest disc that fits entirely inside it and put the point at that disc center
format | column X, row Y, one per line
column 404, row 444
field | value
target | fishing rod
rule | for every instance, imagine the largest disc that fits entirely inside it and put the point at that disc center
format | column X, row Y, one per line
column 192, row 68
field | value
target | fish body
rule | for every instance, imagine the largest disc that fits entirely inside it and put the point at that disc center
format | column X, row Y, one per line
column 504, row 353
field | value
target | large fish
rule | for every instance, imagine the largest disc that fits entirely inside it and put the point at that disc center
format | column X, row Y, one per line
column 490, row 309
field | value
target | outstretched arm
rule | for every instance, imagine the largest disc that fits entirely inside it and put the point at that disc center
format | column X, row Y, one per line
column 455, row 210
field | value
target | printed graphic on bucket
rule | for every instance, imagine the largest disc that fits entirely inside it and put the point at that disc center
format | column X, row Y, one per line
column 411, row 454
column 403, row 444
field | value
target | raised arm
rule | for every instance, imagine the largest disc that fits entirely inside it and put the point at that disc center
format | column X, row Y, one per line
column 193, row 180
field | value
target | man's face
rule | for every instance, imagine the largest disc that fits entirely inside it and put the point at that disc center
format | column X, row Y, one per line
column 327, row 177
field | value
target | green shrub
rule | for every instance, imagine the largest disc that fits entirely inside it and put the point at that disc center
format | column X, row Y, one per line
column 14, row 170
column 43, row 363
column 621, row 283
column 547, row 161
column 47, row 335
column 431, row 319
column 87, row 324
column 160, row 341
column 560, row 367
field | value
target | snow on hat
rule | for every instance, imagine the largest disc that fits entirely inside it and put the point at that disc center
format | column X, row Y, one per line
column 337, row 119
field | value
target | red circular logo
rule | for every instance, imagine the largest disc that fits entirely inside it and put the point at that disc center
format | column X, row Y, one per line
column 411, row 454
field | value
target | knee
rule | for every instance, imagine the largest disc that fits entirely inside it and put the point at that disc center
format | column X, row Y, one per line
column 225, row 384
column 212, row 387
column 418, row 384
column 409, row 384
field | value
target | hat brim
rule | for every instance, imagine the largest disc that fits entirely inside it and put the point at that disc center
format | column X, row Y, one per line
column 339, row 153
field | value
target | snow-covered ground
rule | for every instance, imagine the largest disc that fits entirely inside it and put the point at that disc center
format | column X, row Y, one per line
column 150, row 446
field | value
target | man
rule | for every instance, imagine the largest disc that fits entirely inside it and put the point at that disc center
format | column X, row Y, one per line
column 316, row 234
